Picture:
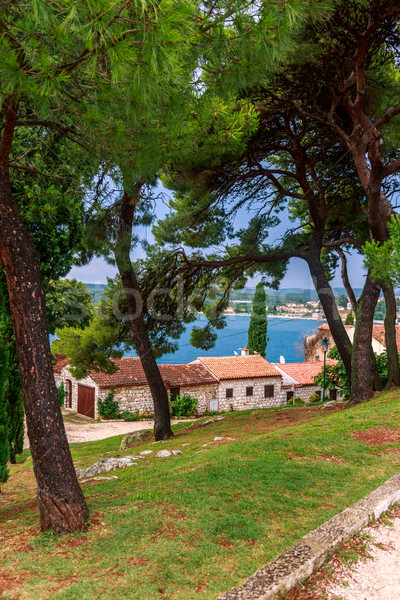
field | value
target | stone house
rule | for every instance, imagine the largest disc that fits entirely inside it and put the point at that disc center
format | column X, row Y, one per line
column 298, row 380
column 313, row 350
column 247, row 381
column 130, row 386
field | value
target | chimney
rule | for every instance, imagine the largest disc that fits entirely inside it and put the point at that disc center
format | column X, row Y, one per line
column 244, row 351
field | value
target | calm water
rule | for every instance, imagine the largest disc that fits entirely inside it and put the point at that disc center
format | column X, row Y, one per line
column 286, row 338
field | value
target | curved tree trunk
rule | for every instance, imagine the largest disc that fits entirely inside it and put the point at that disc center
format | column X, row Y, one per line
column 390, row 335
column 361, row 381
column 61, row 502
column 327, row 299
column 162, row 418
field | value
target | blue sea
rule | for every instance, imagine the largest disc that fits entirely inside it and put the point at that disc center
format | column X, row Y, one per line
column 286, row 338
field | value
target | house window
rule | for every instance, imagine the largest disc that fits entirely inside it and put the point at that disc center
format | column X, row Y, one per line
column 174, row 392
column 268, row 391
column 318, row 393
column 229, row 392
column 289, row 396
column 333, row 394
column 317, row 357
column 249, row 390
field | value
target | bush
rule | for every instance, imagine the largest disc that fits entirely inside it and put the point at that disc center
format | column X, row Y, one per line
column 314, row 398
column 127, row 415
column 108, row 408
column 61, row 394
column 297, row 401
column 183, row 406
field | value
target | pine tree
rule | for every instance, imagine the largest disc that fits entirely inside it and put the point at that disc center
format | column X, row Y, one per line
column 4, row 445
column 257, row 334
column 349, row 319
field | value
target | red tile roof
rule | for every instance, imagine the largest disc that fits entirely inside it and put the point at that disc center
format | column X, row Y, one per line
column 131, row 373
column 239, row 367
column 305, row 372
column 62, row 361
column 378, row 332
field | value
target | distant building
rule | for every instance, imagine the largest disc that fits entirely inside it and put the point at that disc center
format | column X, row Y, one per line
column 313, row 349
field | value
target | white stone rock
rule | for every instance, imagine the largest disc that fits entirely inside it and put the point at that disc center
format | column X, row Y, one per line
column 164, row 454
column 185, row 445
column 104, row 465
column 218, row 439
column 144, row 452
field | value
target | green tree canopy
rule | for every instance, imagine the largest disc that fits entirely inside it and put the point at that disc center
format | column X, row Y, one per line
column 257, row 334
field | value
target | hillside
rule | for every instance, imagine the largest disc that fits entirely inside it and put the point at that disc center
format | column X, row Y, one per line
column 194, row 525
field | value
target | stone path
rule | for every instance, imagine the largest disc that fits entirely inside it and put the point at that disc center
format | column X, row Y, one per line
column 90, row 431
column 376, row 578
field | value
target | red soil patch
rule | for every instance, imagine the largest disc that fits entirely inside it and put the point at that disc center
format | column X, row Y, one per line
column 224, row 543
column 200, row 587
column 7, row 582
column 331, row 459
column 18, row 542
column 138, row 561
column 293, row 454
column 378, row 436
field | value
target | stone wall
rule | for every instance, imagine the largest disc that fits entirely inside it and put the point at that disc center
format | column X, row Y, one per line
column 139, row 398
column 240, row 401
column 304, row 392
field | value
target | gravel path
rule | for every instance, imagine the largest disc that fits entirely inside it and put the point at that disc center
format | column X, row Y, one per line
column 377, row 578
column 90, row 432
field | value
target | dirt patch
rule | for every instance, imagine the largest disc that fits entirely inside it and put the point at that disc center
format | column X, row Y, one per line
column 331, row 459
column 378, row 436
column 8, row 582
column 224, row 543
column 292, row 455
column 138, row 561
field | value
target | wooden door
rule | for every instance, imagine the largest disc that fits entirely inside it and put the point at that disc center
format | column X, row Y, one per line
column 86, row 400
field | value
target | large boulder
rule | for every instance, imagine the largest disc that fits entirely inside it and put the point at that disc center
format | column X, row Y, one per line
column 132, row 439
column 104, row 465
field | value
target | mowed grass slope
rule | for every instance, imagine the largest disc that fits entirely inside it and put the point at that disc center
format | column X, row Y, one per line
column 194, row 525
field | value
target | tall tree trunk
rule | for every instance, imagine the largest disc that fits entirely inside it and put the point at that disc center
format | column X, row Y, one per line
column 376, row 378
column 361, row 381
column 327, row 299
column 61, row 502
column 390, row 335
column 162, row 418
column 346, row 280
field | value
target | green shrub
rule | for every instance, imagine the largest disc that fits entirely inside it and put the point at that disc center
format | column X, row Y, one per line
column 183, row 406
column 297, row 401
column 127, row 415
column 314, row 398
column 61, row 394
column 108, row 408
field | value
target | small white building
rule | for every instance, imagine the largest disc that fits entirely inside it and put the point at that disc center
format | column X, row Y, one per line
column 246, row 381
column 298, row 380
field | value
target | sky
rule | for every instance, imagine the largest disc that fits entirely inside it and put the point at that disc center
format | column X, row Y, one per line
column 297, row 275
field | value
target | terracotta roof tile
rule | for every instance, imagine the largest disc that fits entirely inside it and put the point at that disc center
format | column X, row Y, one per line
column 239, row 367
column 61, row 361
column 305, row 372
column 378, row 332
column 131, row 373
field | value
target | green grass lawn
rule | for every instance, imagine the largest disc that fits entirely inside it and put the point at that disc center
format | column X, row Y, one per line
column 192, row 526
